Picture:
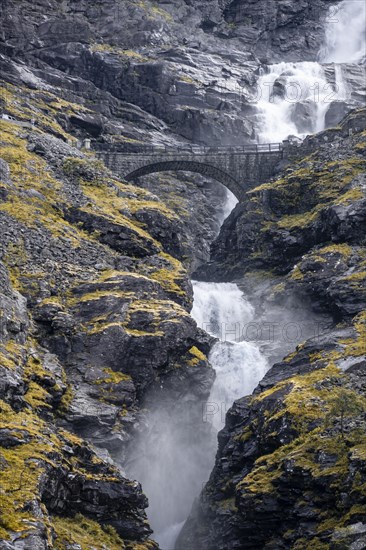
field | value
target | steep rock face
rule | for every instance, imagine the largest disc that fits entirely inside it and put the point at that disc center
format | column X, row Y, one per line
column 269, row 28
column 319, row 200
column 46, row 471
column 94, row 313
column 290, row 472
column 94, row 298
column 179, row 70
column 290, row 467
column 195, row 201
column 201, row 206
column 274, row 27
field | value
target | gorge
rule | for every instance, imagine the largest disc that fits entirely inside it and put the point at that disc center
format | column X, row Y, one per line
column 141, row 323
column 220, row 308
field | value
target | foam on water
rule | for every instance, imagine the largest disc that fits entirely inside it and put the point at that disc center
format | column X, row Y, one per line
column 290, row 93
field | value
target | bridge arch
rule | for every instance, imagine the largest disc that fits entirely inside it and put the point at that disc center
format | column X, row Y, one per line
column 190, row 166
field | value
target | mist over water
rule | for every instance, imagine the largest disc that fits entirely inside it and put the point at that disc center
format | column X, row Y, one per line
column 345, row 33
column 171, row 458
column 222, row 310
column 174, row 456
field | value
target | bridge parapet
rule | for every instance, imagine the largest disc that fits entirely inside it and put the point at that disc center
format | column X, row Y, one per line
column 238, row 168
column 189, row 148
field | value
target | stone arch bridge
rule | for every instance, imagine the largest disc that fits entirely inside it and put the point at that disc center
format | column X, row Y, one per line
column 238, row 168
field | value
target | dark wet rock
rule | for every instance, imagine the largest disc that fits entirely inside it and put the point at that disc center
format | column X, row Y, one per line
column 273, row 470
column 94, row 299
column 285, row 453
column 335, row 113
column 103, row 500
column 192, row 66
column 303, row 210
column 123, row 239
column 99, row 317
column 12, row 438
column 304, row 114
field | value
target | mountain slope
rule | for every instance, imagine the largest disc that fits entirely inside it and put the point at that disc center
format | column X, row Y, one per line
column 290, row 470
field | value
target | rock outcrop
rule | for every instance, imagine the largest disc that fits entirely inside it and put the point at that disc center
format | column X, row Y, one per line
column 94, row 313
column 291, row 466
column 94, row 276
column 160, row 74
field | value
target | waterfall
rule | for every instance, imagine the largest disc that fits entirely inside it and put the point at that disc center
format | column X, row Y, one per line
column 222, row 310
column 345, row 33
column 294, row 98
column 230, row 203
column 170, row 461
column 341, row 85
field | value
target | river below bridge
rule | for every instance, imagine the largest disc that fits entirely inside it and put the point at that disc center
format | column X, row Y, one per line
column 174, row 471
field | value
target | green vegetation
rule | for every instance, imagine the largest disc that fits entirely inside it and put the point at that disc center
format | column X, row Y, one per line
column 87, row 170
column 198, row 357
column 343, row 404
column 85, row 533
column 29, row 171
column 40, row 106
column 357, row 347
column 343, row 250
column 318, row 406
column 158, row 313
column 189, row 80
column 316, row 183
column 113, row 377
column 107, row 203
column 172, row 277
column 153, row 11
column 127, row 54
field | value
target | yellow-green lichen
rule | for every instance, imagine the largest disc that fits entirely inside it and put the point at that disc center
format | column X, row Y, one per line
column 356, row 347
column 122, row 53
column 172, row 277
column 40, row 108
column 197, row 357
column 113, row 377
column 85, row 533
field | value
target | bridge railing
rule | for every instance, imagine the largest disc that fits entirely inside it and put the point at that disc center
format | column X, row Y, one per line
column 203, row 150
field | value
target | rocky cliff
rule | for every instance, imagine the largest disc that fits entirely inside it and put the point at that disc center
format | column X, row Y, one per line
column 94, row 311
column 290, row 470
column 159, row 72
column 95, row 292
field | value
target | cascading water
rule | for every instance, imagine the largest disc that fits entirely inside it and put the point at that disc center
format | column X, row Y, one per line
column 230, row 203
column 345, row 33
column 293, row 98
column 222, row 310
column 171, row 463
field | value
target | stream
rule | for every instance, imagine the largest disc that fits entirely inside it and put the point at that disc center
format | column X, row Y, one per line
column 294, row 100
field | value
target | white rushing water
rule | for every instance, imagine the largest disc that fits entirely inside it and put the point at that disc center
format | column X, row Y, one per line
column 170, row 461
column 222, row 310
column 345, row 33
column 230, row 203
column 293, row 98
